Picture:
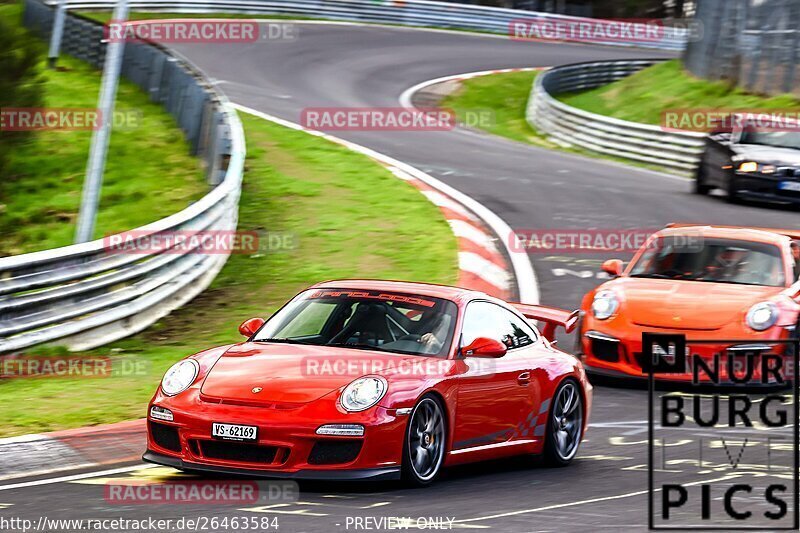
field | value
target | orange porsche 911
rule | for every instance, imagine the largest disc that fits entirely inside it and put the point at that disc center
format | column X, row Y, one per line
column 707, row 283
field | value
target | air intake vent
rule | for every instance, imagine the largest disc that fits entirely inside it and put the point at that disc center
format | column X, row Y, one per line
column 165, row 436
column 331, row 452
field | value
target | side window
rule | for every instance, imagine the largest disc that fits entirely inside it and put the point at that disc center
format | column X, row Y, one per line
column 485, row 319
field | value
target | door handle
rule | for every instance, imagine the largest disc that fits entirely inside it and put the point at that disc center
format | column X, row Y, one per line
column 524, row 378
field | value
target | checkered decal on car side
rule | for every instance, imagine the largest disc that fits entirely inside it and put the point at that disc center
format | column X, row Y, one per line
column 536, row 423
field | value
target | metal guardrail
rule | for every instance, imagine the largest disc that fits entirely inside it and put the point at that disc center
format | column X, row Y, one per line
column 677, row 151
column 85, row 295
column 403, row 12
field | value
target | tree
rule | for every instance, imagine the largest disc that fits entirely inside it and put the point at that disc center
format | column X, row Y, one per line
column 20, row 79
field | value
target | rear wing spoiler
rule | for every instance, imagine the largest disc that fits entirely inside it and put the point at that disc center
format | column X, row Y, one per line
column 552, row 317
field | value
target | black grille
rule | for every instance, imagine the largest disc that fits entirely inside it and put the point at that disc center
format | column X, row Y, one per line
column 331, row 452
column 234, row 451
column 165, row 436
column 639, row 358
column 605, row 350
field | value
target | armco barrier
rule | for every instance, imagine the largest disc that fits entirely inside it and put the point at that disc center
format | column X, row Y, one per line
column 677, row 151
column 404, row 12
column 83, row 296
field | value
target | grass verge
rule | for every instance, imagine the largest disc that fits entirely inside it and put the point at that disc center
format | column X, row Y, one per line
column 40, row 194
column 349, row 217
column 506, row 95
column 643, row 96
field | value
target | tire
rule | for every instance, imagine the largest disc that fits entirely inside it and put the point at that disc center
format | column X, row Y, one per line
column 425, row 442
column 700, row 186
column 733, row 192
column 564, row 431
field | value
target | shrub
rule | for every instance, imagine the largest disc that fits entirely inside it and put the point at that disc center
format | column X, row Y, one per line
column 20, row 77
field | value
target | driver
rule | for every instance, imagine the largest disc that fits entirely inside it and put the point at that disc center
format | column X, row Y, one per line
column 437, row 327
column 728, row 264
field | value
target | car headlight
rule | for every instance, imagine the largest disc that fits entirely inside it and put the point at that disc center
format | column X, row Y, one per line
column 748, row 166
column 762, row 316
column 179, row 377
column 363, row 393
column 604, row 305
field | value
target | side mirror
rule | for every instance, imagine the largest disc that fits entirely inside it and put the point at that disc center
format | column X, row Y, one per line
column 485, row 347
column 250, row 326
column 613, row 267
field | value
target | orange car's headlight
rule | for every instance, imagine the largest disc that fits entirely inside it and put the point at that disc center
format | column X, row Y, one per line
column 762, row 316
column 604, row 305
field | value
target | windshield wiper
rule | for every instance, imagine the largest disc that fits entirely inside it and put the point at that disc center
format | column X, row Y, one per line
column 356, row 345
column 282, row 340
column 729, row 282
column 651, row 275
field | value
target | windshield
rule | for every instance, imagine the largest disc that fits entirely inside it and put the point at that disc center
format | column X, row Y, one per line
column 390, row 322
column 779, row 139
column 717, row 260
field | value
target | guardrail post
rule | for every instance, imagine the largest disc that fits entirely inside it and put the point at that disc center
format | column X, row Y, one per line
column 97, row 153
column 57, row 33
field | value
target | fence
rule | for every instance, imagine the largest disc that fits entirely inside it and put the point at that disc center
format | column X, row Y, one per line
column 404, row 12
column 754, row 44
column 679, row 151
column 83, row 295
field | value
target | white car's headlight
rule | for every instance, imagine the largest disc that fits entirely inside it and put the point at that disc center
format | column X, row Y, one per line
column 179, row 377
column 604, row 305
column 762, row 316
column 363, row 393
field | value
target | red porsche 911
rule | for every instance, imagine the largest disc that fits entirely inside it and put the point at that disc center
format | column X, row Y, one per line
column 375, row 380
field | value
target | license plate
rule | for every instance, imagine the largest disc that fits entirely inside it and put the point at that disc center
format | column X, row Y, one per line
column 790, row 186
column 233, row 431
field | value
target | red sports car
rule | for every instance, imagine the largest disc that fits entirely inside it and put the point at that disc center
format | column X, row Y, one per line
column 375, row 380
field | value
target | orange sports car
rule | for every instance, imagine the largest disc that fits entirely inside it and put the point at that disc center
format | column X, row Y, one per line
column 707, row 283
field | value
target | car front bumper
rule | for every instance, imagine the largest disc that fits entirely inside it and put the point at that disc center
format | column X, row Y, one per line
column 615, row 354
column 765, row 189
column 287, row 444
column 373, row 474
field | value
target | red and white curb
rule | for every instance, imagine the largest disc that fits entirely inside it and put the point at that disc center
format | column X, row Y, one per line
column 72, row 449
column 480, row 232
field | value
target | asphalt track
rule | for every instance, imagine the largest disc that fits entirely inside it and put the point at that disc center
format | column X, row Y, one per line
column 341, row 65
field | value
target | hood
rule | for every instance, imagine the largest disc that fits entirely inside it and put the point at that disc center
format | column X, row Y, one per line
column 292, row 374
column 679, row 304
column 769, row 154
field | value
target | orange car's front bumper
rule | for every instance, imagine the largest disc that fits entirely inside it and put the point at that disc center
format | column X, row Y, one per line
column 618, row 351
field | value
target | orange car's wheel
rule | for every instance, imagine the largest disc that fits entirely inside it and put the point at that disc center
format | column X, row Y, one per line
column 425, row 442
column 564, row 424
